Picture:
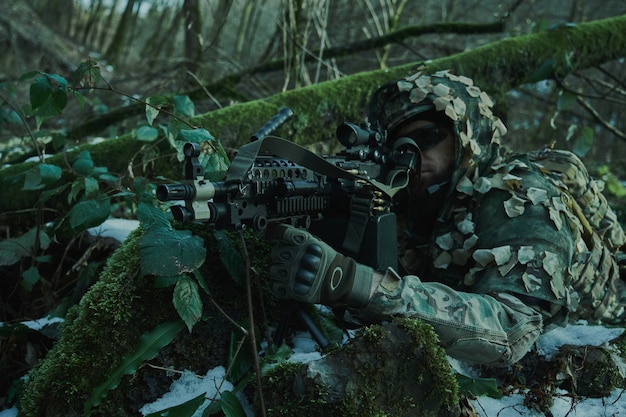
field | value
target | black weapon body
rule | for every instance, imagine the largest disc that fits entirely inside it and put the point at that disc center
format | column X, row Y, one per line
column 345, row 199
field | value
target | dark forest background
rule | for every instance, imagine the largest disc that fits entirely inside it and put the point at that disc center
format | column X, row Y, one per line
column 219, row 53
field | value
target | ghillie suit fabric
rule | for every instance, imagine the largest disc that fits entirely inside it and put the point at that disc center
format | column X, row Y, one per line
column 520, row 242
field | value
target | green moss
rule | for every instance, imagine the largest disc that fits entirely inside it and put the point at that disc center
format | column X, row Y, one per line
column 96, row 333
column 391, row 370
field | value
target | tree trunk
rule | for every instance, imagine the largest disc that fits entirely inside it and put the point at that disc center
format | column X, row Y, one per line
column 193, row 35
column 118, row 43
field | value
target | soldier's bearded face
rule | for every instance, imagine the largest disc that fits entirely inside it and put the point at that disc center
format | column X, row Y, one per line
column 437, row 145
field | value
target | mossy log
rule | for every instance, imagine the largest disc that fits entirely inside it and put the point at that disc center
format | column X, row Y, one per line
column 396, row 369
column 124, row 305
column 318, row 109
column 107, row 325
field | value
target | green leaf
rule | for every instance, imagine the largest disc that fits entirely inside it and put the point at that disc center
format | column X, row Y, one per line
column 90, row 213
column 231, row 405
column 195, row 135
column 170, row 252
column 41, row 175
column 152, row 217
column 92, row 188
column 40, row 91
column 83, row 164
column 584, row 142
column 165, row 251
column 12, row 250
column 149, row 346
column 77, row 187
column 566, row 100
column 184, row 106
column 201, row 281
column 187, row 301
column 48, row 95
column 146, row 134
column 230, row 256
column 48, row 194
column 186, row 409
column 478, row 386
column 87, row 74
column 30, row 277
column 153, row 107
column 59, row 92
column 239, row 360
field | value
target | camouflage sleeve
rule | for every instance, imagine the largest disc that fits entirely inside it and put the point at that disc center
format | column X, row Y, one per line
column 494, row 329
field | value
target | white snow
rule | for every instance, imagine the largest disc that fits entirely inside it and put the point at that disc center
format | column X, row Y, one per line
column 118, row 229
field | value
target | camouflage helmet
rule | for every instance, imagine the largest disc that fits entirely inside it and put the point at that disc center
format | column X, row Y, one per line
column 478, row 131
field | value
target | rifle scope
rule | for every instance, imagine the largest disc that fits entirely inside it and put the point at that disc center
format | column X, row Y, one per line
column 351, row 135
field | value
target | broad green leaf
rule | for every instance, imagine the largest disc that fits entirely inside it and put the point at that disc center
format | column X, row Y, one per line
column 77, row 187
column 170, row 252
column 184, row 105
column 146, row 134
column 40, row 91
column 41, row 175
column 478, row 386
column 230, row 256
column 215, row 166
column 48, row 95
column 152, row 217
column 59, row 141
column 12, row 250
column 186, row 409
column 80, row 98
column 187, row 301
column 30, row 277
column 195, row 135
column 48, row 194
column 239, row 359
column 566, row 100
column 153, row 107
column 584, row 142
column 92, row 188
column 59, row 92
column 90, row 213
column 231, row 405
column 87, row 74
column 165, row 251
column 149, row 346
column 83, row 164
column 201, row 281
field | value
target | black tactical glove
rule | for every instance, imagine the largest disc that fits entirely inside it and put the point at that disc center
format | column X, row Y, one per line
column 306, row 269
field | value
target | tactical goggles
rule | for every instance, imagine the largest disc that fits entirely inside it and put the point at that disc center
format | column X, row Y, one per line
column 428, row 137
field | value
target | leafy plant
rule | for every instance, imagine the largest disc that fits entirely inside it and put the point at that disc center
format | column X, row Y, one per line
column 93, row 194
column 149, row 346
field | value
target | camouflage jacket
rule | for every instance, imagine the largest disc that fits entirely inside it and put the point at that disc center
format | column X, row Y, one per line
column 507, row 258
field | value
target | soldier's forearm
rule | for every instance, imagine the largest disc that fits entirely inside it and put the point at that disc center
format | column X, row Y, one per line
column 494, row 330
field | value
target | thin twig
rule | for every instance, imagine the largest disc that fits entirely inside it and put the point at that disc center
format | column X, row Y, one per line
column 255, row 352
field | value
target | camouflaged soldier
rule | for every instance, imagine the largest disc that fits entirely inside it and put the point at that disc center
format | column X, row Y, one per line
column 493, row 250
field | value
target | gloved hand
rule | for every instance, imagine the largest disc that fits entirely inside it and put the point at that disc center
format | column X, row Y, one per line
column 306, row 269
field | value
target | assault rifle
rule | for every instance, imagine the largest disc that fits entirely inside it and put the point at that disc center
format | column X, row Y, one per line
column 345, row 199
